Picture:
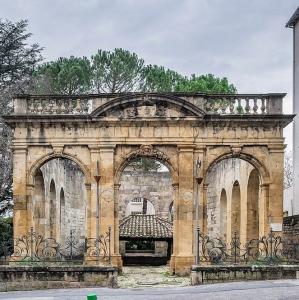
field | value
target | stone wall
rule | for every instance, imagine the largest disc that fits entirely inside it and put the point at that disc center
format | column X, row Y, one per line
column 291, row 228
column 37, row 277
column 65, row 199
column 215, row 274
column 227, row 193
column 154, row 186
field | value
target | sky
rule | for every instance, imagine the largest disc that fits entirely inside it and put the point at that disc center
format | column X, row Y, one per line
column 245, row 41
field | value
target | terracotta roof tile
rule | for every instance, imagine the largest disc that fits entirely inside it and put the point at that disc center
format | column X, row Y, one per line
column 145, row 226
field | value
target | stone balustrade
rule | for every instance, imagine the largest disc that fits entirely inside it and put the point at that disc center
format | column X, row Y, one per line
column 244, row 104
column 226, row 104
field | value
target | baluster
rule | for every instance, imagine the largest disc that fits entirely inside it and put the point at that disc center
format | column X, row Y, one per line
column 239, row 107
column 84, row 105
column 39, row 106
column 78, row 108
column 51, row 107
column 263, row 107
column 215, row 105
column 255, row 107
column 232, row 106
column 58, row 105
column 66, row 106
column 267, row 105
column 73, row 106
column 223, row 106
column 247, row 106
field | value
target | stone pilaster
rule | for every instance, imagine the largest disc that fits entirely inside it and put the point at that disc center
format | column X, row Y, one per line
column 276, row 159
column 184, row 240
column 21, row 217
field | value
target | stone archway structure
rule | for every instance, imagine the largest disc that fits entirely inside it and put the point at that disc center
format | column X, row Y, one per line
column 109, row 130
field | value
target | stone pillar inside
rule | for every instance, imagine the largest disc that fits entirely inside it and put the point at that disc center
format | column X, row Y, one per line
column 108, row 216
column 183, row 256
column 91, row 190
column 252, row 228
column 175, row 225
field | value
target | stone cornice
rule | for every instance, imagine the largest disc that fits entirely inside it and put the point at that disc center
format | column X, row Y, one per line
column 278, row 119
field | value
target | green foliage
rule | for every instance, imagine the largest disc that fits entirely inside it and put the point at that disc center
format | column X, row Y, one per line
column 146, row 164
column 18, row 60
column 117, row 71
column 6, row 235
column 64, row 76
column 206, row 84
column 159, row 79
column 6, row 228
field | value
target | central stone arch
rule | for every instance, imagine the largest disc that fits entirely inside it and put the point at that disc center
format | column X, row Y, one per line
column 152, row 152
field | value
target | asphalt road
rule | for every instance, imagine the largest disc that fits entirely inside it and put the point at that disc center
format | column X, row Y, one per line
column 282, row 289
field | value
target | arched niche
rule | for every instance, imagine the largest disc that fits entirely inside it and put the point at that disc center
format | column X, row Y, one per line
column 62, row 214
column 253, row 194
column 52, row 211
column 39, row 209
column 223, row 214
column 236, row 209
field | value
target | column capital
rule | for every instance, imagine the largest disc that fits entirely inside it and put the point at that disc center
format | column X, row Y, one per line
column 116, row 186
column 107, row 147
column 186, row 148
column 88, row 186
column 264, row 185
column 175, row 186
column 20, row 149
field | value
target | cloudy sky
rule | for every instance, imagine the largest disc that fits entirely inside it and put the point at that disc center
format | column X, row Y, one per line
column 243, row 40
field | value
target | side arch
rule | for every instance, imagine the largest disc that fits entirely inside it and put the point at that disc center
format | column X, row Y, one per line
column 263, row 171
column 41, row 161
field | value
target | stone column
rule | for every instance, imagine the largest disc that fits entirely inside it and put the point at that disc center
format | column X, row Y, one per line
column 175, row 187
column 21, row 218
column 108, row 207
column 91, row 194
column 264, row 210
column 204, row 217
column 184, row 257
column 38, row 228
column 116, row 219
column 92, row 199
column 88, row 210
column 276, row 165
column 198, row 154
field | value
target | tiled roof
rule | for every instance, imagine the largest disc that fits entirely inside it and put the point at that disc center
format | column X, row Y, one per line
column 145, row 226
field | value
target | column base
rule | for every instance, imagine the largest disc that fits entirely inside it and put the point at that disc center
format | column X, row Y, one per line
column 181, row 264
column 116, row 261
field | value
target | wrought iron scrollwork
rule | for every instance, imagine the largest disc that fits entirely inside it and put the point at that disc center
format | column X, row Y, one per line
column 33, row 247
column 270, row 249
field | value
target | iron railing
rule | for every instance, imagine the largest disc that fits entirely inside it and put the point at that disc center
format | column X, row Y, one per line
column 269, row 249
column 34, row 247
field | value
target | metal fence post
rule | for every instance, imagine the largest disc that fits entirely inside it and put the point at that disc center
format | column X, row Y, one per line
column 109, row 244
column 235, row 246
column 271, row 246
column 31, row 243
column 71, row 244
